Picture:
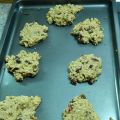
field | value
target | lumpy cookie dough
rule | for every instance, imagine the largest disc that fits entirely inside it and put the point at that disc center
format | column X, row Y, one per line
column 33, row 33
column 87, row 68
column 24, row 64
column 19, row 108
column 88, row 31
column 80, row 109
column 62, row 15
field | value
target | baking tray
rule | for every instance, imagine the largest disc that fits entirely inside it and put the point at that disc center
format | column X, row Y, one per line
column 57, row 51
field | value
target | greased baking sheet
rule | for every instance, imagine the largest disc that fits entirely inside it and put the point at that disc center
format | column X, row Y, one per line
column 57, row 52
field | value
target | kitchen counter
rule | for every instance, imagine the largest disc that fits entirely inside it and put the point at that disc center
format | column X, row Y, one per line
column 4, row 10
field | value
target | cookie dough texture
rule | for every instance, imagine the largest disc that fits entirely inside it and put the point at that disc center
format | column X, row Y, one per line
column 88, row 31
column 87, row 68
column 24, row 64
column 80, row 109
column 33, row 33
column 62, row 15
column 19, row 108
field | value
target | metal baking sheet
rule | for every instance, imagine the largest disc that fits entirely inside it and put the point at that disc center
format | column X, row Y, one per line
column 57, row 51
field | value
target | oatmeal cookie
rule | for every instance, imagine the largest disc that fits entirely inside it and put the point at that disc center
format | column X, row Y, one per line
column 24, row 64
column 80, row 109
column 19, row 108
column 33, row 33
column 88, row 31
column 62, row 15
column 87, row 68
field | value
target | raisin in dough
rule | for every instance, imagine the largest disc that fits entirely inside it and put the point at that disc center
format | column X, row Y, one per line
column 24, row 64
column 19, row 108
column 33, row 33
column 80, row 109
column 88, row 31
column 87, row 68
column 62, row 15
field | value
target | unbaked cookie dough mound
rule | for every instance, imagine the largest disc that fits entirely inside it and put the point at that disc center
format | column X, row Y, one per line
column 24, row 64
column 19, row 108
column 80, row 109
column 62, row 15
column 33, row 33
column 87, row 68
column 88, row 31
